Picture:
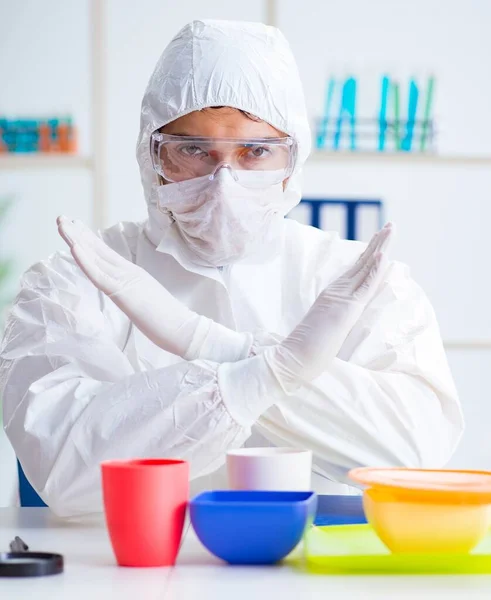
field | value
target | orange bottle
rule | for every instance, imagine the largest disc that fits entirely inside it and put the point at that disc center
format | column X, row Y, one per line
column 63, row 136
column 72, row 137
column 44, row 137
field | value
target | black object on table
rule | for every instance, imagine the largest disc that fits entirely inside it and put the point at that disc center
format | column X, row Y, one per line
column 19, row 562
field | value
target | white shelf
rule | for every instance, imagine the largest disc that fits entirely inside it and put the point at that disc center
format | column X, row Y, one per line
column 467, row 344
column 55, row 161
column 16, row 162
column 402, row 157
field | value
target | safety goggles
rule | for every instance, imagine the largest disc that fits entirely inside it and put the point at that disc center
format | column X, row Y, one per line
column 253, row 162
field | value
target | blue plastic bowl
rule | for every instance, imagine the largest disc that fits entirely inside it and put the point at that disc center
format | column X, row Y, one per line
column 252, row 527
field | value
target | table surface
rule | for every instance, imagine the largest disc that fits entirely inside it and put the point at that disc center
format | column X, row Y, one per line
column 91, row 572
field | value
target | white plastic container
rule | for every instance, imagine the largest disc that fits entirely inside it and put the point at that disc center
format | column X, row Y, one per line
column 287, row 469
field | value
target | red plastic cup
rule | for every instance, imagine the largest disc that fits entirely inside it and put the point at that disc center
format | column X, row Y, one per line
column 145, row 504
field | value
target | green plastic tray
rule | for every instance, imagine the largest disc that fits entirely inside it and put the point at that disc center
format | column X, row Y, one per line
column 356, row 549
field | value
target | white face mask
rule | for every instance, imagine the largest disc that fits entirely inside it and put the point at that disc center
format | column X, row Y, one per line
column 223, row 222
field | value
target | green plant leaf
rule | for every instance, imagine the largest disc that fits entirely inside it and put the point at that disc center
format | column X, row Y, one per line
column 5, row 205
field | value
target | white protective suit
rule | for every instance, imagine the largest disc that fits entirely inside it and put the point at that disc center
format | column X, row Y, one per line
column 80, row 384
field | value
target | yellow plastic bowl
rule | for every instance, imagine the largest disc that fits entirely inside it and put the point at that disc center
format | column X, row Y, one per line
column 414, row 510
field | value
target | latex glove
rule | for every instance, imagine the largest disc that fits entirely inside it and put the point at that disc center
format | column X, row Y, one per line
column 162, row 318
column 263, row 380
column 317, row 339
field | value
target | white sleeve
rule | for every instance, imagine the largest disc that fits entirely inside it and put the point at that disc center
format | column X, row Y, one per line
column 388, row 399
column 71, row 398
